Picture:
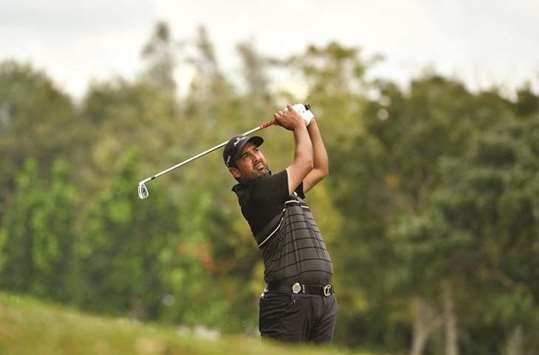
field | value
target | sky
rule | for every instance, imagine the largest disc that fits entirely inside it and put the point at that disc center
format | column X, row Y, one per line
column 481, row 42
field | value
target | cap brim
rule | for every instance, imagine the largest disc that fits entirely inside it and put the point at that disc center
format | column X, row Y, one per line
column 256, row 140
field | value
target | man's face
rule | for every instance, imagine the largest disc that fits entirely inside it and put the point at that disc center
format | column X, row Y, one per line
column 250, row 165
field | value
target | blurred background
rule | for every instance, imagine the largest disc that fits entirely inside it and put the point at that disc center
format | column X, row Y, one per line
column 429, row 111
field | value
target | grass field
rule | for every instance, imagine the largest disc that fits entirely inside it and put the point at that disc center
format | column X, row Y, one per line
column 28, row 326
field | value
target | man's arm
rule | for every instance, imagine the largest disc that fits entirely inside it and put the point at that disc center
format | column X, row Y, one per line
column 303, row 152
column 320, row 158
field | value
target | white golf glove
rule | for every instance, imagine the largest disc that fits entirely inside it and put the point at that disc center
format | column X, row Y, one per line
column 304, row 112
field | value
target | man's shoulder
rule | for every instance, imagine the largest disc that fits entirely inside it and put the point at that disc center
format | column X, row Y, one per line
column 278, row 177
column 242, row 192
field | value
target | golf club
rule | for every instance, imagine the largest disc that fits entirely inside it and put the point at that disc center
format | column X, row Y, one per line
column 143, row 193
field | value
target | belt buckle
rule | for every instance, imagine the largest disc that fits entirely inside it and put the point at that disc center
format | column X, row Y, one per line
column 297, row 288
column 327, row 290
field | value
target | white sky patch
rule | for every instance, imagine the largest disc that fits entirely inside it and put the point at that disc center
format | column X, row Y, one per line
column 481, row 42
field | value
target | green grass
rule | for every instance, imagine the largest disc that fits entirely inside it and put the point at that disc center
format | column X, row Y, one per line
column 28, row 326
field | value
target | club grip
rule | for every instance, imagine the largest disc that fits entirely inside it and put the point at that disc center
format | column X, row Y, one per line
column 267, row 124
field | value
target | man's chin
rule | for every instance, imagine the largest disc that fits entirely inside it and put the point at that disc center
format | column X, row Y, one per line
column 255, row 175
column 260, row 173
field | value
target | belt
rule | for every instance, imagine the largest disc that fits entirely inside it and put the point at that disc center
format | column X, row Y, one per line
column 299, row 288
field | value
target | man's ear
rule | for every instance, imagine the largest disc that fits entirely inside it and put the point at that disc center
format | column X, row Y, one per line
column 235, row 172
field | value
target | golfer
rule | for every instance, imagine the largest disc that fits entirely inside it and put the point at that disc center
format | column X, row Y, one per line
column 298, row 304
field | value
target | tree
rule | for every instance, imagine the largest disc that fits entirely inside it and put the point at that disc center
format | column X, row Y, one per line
column 488, row 206
column 39, row 233
column 37, row 121
column 119, row 115
column 18, row 268
column 119, row 253
column 406, row 135
column 210, row 92
column 160, row 56
column 54, row 236
column 254, row 72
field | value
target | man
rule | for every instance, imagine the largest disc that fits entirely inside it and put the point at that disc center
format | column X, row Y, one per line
column 298, row 304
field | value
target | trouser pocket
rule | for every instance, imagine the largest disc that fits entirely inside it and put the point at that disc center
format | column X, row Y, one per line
column 281, row 317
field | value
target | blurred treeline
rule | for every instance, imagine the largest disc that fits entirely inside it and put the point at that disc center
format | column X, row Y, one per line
column 431, row 209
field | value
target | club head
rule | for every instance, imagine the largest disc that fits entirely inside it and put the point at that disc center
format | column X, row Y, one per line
column 143, row 192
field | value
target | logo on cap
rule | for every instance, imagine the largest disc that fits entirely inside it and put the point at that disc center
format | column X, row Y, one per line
column 238, row 139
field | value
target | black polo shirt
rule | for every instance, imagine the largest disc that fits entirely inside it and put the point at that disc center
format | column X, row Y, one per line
column 285, row 230
column 262, row 199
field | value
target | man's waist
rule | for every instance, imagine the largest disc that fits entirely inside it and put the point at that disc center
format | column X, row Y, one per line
column 325, row 289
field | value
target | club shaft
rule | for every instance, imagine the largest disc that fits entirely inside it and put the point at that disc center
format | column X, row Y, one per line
column 262, row 126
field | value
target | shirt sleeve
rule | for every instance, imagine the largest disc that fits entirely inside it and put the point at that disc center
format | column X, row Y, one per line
column 273, row 190
column 299, row 190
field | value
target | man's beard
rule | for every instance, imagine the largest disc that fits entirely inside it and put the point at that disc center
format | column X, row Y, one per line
column 256, row 174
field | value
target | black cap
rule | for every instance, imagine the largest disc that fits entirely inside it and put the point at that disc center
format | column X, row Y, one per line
column 235, row 145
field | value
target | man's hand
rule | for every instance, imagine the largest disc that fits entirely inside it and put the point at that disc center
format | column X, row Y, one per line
column 288, row 118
